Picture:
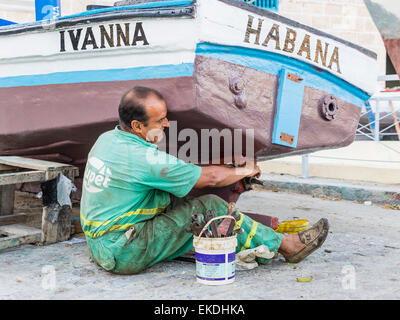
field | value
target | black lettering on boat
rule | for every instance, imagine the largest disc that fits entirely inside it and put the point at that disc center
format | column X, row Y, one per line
column 139, row 35
column 75, row 38
column 107, row 36
column 122, row 35
column 274, row 35
column 62, row 41
column 250, row 30
column 290, row 39
column 305, row 47
column 89, row 39
column 103, row 36
column 309, row 48
column 335, row 59
column 319, row 54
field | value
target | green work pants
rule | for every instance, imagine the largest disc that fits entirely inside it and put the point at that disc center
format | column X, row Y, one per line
column 164, row 237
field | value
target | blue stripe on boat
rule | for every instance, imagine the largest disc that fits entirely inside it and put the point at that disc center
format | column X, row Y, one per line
column 140, row 73
column 149, row 5
column 273, row 63
column 260, row 60
column 146, row 5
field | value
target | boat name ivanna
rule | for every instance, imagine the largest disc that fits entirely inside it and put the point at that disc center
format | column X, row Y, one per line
column 101, row 37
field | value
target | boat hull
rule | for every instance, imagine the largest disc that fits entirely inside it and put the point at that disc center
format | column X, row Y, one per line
column 64, row 120
column 264, row 86
column 386, row 16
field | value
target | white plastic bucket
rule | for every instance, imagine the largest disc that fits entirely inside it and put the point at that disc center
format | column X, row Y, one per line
column 215, row 258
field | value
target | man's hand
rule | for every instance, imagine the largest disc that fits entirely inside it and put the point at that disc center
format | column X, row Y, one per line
column 221, row 176
column 240, row 161
column 248, row 168
column 256, row 171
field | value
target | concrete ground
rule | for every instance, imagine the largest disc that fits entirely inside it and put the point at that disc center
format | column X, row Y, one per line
column 359, row 260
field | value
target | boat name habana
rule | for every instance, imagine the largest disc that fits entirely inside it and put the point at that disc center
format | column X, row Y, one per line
column 317, row 54
column 112, row 35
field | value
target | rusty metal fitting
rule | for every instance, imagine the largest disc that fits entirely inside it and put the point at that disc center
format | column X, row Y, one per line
column 237, row 87
column 240, row 101
column 328, row 107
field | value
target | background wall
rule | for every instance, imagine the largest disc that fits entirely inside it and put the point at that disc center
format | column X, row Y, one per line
column 346, row 19
column 76, row 6
column 17, row 10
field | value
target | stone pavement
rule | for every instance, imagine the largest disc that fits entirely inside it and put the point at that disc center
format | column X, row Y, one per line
column 359, row 260
column 377, row 193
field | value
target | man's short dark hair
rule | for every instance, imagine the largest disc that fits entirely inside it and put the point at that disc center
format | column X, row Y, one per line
column 132, row 106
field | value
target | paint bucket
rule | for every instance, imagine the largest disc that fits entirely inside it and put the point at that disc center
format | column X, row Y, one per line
column 215, row 258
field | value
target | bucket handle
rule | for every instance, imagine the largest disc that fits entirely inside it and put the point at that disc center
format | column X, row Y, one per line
column 208, row 223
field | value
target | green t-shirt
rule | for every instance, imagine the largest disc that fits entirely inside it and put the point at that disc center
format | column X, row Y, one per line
column 128, row 180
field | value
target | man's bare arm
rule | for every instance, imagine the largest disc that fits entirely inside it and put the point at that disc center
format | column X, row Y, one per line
column 221, row 176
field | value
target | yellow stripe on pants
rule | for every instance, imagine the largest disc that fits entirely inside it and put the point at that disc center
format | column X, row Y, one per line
column 238, row 224
column 250, row 236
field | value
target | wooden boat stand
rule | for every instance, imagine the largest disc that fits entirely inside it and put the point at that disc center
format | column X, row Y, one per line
column 55, row 227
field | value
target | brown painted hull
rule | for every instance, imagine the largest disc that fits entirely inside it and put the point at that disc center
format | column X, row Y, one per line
column 214, row 97
column 211, row 78
column 386, row 16
column 392, row 47
column 63, row 121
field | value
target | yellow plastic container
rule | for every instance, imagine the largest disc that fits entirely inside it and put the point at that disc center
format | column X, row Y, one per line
column 292, row 227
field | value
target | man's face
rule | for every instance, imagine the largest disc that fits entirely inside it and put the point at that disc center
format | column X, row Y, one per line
column 156, row 110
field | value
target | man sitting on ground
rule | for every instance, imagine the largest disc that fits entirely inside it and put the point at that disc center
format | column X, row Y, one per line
column 135, row 207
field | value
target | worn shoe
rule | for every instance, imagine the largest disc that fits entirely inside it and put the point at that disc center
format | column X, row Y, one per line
column 313, row 238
